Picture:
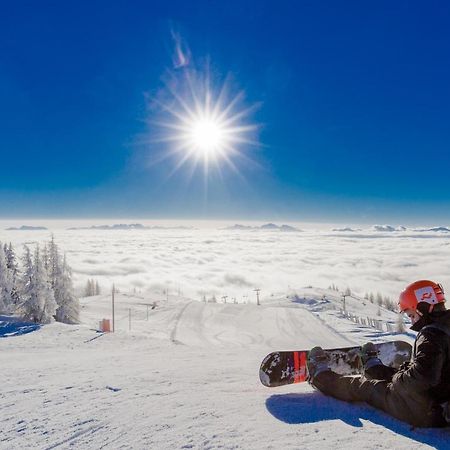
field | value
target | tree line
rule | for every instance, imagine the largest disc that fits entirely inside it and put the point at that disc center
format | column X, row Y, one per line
column 38, row 286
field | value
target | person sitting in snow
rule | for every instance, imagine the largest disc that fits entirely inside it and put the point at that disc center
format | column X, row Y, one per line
column 418, row 393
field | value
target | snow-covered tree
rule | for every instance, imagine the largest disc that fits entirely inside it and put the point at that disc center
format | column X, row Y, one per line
column 60, row 277
column 68, row 310
column 38, row 301
column 6, row 284
column 11, row 262
column 88, row 288
column 93, row 288
column 379, row 299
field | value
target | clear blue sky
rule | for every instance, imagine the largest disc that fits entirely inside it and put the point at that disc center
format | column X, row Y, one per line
column 354, row 108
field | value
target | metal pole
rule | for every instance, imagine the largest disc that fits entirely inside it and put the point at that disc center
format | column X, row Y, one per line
column 112, row 299
column 257, row 296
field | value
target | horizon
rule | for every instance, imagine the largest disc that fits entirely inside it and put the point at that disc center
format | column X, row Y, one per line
column 204, row 223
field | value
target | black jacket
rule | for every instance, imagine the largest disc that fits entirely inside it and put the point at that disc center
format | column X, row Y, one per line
column 426, row 381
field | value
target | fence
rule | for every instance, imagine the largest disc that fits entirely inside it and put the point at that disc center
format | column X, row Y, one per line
column 379, row 325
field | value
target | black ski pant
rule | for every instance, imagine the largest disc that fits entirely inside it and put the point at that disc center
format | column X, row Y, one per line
column 376, row 390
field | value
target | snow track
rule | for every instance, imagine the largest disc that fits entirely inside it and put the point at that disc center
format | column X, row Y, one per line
column 225, row 325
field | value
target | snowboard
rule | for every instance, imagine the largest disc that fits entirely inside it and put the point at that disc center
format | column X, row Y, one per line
column 281, row 368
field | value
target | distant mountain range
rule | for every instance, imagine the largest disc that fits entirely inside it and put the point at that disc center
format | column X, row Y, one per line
column 390, row 228
column 129, row 226
column 26, row 228
column 267, row 226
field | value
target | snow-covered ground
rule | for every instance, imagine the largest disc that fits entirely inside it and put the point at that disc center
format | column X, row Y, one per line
column 187, row 377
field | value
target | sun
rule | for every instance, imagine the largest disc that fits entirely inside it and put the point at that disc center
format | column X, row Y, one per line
column 207, row 136
column 202, row 126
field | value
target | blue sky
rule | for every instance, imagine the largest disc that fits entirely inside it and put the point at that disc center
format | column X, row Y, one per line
column 354, row 109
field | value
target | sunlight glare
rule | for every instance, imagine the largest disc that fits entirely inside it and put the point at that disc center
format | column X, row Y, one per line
column 207, row 136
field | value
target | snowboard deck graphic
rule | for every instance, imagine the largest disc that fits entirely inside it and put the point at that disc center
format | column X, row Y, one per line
column 281, row 368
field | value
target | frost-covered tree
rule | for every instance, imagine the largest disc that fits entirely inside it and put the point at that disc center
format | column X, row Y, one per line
column 46, row 258
column 60, row 278
column 11, row 262
column 379, row 299
column 68, row 310
column 38, row 301
column 6, row 284
column 92, row 288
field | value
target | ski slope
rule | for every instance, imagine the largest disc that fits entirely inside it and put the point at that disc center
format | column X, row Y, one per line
column 186, row 376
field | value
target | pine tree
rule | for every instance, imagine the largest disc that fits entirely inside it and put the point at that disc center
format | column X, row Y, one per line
column 46, row 258
column 39, row 303
column 97, row 288
column 68, row 310
column 52, row 261
column 90, row 288
column 6, row 284
column 26, row 283
column 11, row 262
column 60, row 276
column 379, row 299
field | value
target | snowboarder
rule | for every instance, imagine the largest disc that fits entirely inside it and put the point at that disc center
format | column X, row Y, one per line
column 417, row 393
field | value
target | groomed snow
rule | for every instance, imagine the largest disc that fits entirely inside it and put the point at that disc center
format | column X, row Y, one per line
column 186, row 378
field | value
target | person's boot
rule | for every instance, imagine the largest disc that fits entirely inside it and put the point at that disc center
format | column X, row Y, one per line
column 369, row 356
column 318, row 361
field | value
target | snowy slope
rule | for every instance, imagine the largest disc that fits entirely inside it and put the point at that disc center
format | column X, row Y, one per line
column 185, row 378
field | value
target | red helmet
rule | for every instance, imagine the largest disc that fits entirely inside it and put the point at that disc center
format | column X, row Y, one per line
column 422, row 291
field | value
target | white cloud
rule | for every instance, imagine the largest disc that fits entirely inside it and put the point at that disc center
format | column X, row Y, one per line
column 233, row 263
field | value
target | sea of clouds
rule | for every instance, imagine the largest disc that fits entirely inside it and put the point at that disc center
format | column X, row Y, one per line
column 218, row 261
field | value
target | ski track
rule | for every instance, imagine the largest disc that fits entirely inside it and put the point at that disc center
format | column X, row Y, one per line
column 136, row 390
column 173, row 334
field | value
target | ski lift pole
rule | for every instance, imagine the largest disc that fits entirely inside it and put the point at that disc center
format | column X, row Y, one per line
column 257, row 296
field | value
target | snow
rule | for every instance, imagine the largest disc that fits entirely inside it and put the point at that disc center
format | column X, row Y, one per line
column 187, row 378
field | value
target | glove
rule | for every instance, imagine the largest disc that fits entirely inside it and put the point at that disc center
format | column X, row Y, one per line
column 405, row 366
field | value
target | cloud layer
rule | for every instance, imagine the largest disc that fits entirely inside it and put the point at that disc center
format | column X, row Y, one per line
column 221, row 262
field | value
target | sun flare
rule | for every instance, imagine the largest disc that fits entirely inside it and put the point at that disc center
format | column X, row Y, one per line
column 203, row 126
column 207, row 136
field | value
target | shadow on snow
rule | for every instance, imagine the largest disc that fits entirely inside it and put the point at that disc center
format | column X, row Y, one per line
column 315, row 407
column 12, row 326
